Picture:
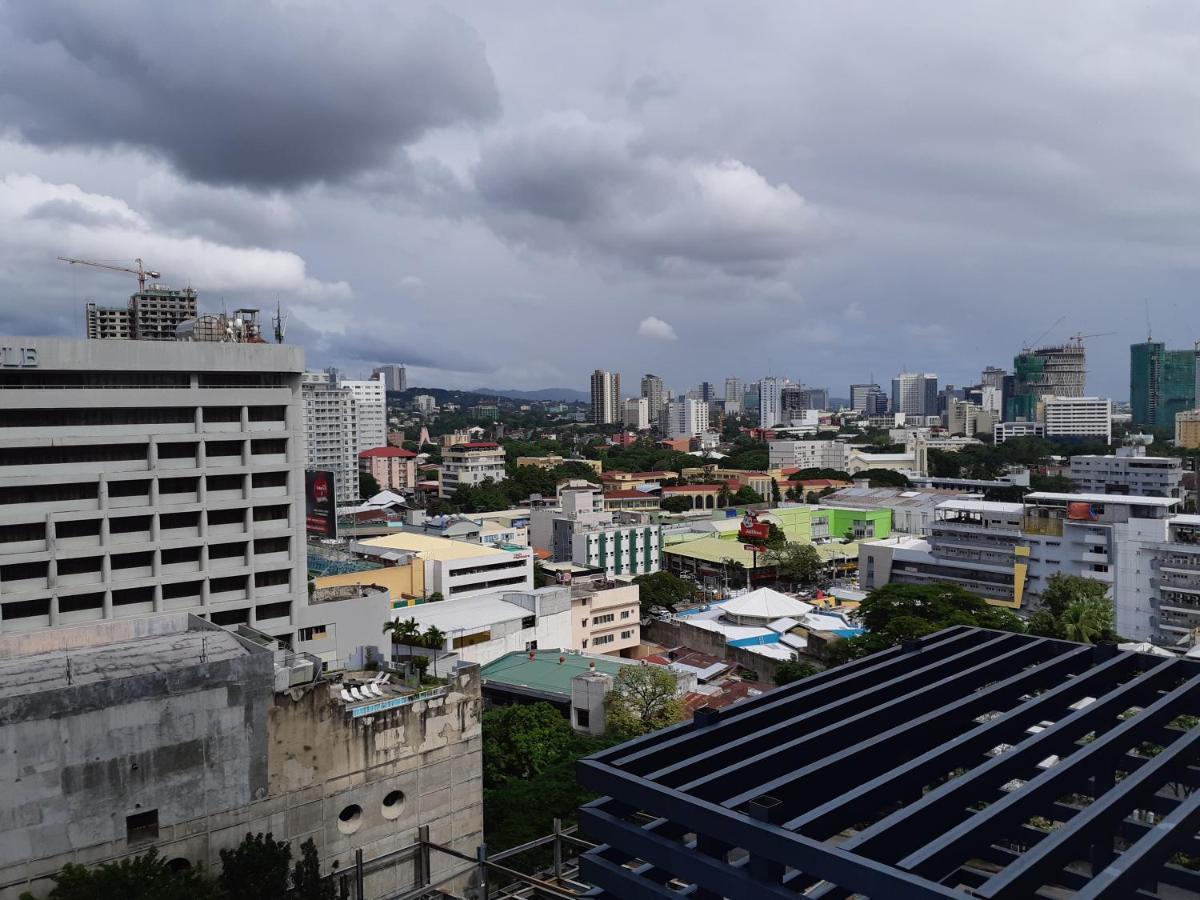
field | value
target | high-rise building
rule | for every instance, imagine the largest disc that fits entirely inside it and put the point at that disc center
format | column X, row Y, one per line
column 370, row 412
column 1078, row 417
column 707, row 391
column 1053, row 371
column 687, row 418
column 733, row 396
column 331, row 433
column 859, row 394
column 770, row 407
column 606, row 397
column 814, row 398
column 1162, row 383
column 652, row 390
column 153, row 477
column 637, row 413
column 992, row 376
column 915, row 394
column 152, row 314
column 395, row 377
column 750, row 398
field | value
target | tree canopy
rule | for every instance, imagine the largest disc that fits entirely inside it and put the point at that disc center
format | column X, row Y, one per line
column 1076, row 609
column 643, row 699
column 662, row 589
column 793, row 670
column 899, row 612
column 523, row 741
column 796, row 563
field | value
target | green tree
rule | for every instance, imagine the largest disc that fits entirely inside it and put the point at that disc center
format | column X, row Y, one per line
column 256, row 868
column 403, row 632
column 643, row 699
column 776, row 497
column 887, row 478
column 144, row 877
column 797, row 563
column 724, row 496
column 662, row 589
column 745, row 495
column 676, row 504
column 435, row 639
column 1059, row 484
column 307, row 883
column 1063, row 590
column 367, row 485
column 435, row 597
column 794, row 670
column 523, row 741
column 1089, row 621
column 900, row 612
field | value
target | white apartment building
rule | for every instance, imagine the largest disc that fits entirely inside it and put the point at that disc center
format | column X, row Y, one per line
column 331, row 433
column 1130, row 471
column 770, row 408
column 586, row 535
column 1004, row 431
column 449, row 567
column 1089, row 417
column 652, row 390
column 395, row 377
column 151, row 477
column 637, row 413
column 370, row 411
column 470, row 464
column 425, row 403
column 606, row 397
column 808, row 454
column 915, row 393
column 687, row 418
column 969, row 419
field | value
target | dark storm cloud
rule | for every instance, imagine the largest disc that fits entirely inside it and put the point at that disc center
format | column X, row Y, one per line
column 596, row 186
column 259, row 94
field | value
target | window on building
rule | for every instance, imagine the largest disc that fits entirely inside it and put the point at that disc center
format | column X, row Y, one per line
column 529, row 622
column 141, row 827
column 584, row 643
column 626, row 635
column 315, row 633
column 625, row 613
column 530, row 645
column 583, row 717
column 584, row 623
column 604, row 639
column 603, row 619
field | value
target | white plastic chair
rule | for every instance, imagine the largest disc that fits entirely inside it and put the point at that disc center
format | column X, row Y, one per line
column 355, row 694
column 376, row 690
column 346, row 696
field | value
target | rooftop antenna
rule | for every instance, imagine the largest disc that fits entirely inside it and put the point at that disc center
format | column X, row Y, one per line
column 279, row 322
column 1149, row 330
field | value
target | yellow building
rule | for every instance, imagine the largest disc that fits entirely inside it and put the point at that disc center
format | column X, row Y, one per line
column 1187, row 429
column 554, row 460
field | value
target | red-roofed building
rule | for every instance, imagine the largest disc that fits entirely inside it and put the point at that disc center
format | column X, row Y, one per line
column 680, row 445
column 623, row 481
column 394, row 468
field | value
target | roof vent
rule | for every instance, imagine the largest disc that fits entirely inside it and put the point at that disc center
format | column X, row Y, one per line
column 561, row 660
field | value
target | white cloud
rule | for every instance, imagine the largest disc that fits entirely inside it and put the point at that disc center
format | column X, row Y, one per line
column 40, row 220
column 656, row 329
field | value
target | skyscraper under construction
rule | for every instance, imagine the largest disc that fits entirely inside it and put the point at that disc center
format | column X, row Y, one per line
column 1053, row 371
column 1162, row 383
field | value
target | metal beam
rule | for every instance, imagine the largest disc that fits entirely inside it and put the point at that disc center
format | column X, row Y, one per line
column 905, row 830
column 1041, row 790
column 868, row 749
column 1097, row 821
column 741, row 755
column 856, row 803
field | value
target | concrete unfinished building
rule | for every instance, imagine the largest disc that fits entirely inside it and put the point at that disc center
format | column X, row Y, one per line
column 169, row 732
column 1052, row 371
column 153, row 314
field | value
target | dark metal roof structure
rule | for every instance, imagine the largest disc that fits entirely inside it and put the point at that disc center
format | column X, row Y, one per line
column 970, row 763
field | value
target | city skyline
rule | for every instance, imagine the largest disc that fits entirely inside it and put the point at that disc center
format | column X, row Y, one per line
column 916, row 207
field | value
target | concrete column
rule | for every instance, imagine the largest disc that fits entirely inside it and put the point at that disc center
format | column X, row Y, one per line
column 158, row 598
column 108, row 604
column 53, row 607
column 198, row 418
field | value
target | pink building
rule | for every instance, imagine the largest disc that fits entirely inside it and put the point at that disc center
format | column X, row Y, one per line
column 392, row 467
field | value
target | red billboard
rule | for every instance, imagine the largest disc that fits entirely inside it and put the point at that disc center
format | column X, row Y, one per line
column 320, row 508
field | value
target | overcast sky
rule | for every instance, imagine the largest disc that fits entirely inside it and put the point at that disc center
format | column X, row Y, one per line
column 512, row 194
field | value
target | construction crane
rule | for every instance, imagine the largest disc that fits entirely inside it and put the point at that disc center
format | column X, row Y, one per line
column 141, row 272
column 1079, row 338
column 1032, row 345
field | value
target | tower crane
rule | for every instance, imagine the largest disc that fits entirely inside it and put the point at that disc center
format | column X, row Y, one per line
column 141, row 272
column 1030, row 345
column 1079, row 338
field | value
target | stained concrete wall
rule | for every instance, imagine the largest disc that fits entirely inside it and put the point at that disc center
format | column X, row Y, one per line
column 219, row 754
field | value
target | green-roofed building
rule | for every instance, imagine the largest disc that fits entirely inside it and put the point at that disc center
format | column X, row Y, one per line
column 542, row 675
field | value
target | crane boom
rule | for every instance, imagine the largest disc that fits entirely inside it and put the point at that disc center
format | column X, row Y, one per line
column 141, row 271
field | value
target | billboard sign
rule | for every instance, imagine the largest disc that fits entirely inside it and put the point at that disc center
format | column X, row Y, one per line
column 752, row 530
column 320, row 509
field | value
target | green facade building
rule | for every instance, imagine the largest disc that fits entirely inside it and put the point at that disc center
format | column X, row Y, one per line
column 1162, row 383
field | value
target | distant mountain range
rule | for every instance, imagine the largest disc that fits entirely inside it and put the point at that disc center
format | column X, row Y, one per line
column 567, row 395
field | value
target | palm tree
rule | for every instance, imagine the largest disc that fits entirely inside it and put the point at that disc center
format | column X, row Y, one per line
column 403, row 633
column 435, row 639
column 1080, row 624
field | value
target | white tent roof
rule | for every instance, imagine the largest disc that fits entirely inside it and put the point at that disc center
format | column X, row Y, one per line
column 767, row 604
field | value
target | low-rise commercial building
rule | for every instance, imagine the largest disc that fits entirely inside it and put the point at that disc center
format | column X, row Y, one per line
column 471, row 463
column 554, row 461
column 579, row 533
column 1129, row 471
column 1187, row 429
column 913, row 509
column 170, row 733
column 1077, row 417
column 393, row 468
column 438, row 565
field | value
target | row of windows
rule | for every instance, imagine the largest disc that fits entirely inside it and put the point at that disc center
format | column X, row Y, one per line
column 23, row 609
column 94, row 453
